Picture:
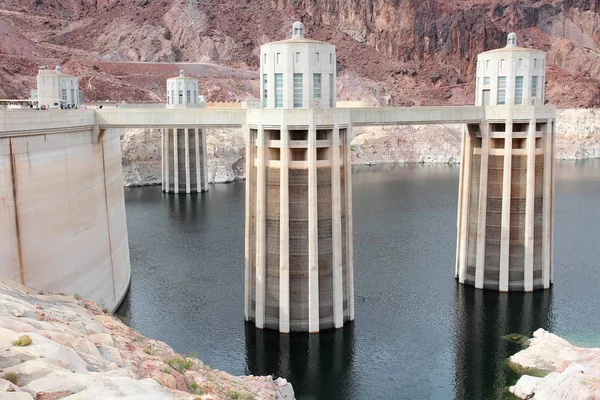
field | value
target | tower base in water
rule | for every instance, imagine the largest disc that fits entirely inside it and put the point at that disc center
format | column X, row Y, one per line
column 299, row 268
column 184, row 161
column 506, row 200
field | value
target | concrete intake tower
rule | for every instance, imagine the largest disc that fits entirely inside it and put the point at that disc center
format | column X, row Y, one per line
column 299, row 269
column 505, row 206
column 183, row 148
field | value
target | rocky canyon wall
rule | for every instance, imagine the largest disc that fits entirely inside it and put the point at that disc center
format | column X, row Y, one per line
column 578, row 137
column 390, row 52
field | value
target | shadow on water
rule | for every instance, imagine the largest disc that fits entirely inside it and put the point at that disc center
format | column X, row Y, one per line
column 481, row 318
column 318, row 365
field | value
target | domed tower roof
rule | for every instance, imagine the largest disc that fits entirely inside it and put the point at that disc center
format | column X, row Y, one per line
column 510, row 76
column 298, row 72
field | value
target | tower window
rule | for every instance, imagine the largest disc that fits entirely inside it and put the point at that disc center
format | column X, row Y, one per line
column 501, row 90
column 278, row 90
column 518, row 90
column 172, row 97
column 188, row 97
column 195, row 97
column 317, row 86
column 486, row 81
column 533, row 86
column 535, row 63
column 487, row 64
column 297, row 58
column 330, row 58
column 502, row 62
column 278, row 58
column 265, row 90
column 519, row 63
column 298, row 91
column 265, row 58
column 64, row 95
column 317, row 57
column 331, row 90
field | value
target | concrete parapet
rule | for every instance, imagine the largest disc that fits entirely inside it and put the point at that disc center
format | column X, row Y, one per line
column 225, row 105
column 29, row 121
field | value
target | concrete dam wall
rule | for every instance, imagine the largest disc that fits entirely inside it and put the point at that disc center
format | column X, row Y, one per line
column 62, row 212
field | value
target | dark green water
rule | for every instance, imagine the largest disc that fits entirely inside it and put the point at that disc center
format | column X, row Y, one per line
column 417, row 334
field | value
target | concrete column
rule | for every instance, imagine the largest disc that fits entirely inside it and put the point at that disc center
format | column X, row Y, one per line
column 248, row 217
column 552, row 179
column 548, row 198
column 336, row 230
column 203, row 156
column 313, row 233
column 187, row 161
column 175, row 162
column 530, row 207
column 284, row 233
column 459, row 202
column 465, row 191
column 482, row 210
column 349, row 225
column 197, row 159
column 506, row 198
column 163, row 154
column 260, row 229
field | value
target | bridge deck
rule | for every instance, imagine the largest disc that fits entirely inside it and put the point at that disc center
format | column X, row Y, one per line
column 23, row 122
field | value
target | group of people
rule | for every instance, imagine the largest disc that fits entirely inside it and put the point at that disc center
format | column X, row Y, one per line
column 62, row 107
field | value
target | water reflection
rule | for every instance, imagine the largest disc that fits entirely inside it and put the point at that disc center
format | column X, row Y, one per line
column 481, row 318
column 318, row 365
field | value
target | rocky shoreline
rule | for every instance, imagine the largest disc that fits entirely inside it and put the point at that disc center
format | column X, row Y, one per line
column 577, row 137
column 556, row 369
column 55, row 346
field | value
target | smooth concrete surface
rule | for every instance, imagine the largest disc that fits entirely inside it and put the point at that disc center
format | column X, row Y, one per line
column 62, row 212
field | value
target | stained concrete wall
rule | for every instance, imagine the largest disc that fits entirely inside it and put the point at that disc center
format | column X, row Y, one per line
column 62, row 214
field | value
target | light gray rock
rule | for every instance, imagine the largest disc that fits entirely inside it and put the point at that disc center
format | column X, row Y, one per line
column 16, row 396
column 525, row 387
column 574, row 371
column 82, row 351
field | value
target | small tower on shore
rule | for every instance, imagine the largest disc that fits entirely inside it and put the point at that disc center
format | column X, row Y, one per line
column 505, row 214
column 55, row 88
column 299, row 267
column 183, row 149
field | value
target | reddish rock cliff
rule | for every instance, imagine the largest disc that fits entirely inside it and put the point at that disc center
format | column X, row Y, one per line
column 396, row 52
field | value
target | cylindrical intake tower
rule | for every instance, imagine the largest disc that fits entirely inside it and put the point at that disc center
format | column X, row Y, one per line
column 505, row 214
column 299, row 274
column 184, row 149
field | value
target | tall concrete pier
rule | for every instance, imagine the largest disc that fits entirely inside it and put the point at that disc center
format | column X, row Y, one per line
column 505, row 212
column 183, row 149
column 299, row 269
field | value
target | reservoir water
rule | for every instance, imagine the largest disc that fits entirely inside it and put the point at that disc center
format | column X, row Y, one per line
column 417, row 334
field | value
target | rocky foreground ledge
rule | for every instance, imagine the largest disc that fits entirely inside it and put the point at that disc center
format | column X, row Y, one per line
column 62, row 347
column 555, row 369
